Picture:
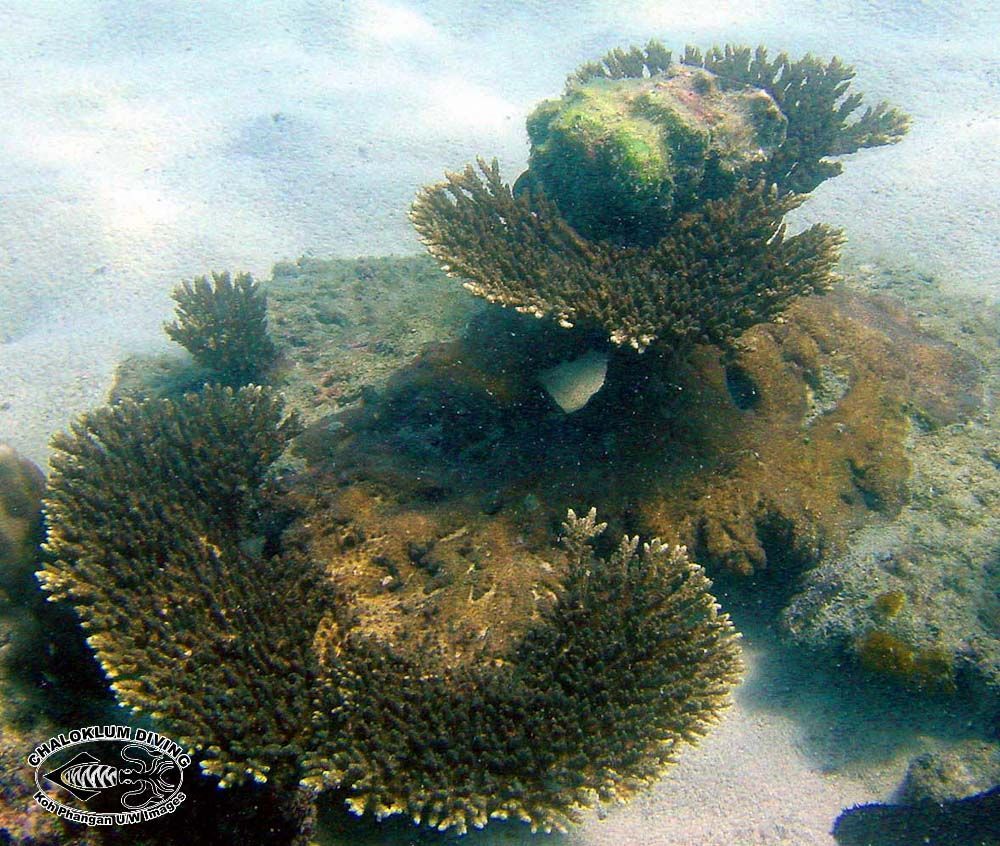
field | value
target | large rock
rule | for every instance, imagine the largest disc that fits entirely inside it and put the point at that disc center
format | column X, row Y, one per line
column 626, row 155
column 917, row 599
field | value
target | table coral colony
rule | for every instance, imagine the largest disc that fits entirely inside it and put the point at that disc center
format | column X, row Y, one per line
column 418, row 619
column 654, row 197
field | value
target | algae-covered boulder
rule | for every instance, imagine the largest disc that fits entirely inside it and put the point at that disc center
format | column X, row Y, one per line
column 973, row 766
column 622, row 157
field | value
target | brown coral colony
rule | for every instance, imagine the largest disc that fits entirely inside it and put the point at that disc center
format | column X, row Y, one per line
column 459, row 645
column 717, row 172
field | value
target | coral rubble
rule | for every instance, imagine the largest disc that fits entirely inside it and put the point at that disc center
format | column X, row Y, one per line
column 223, row 324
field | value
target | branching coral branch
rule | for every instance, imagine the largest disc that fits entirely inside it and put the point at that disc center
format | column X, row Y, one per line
column 633, row 660
column 720, row 270
column 223, row 324
column 654, row 199
column 633, row 63
column 151, row 509
column 814, row 97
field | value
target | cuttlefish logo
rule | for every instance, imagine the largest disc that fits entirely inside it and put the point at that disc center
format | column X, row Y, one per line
column 109, row 775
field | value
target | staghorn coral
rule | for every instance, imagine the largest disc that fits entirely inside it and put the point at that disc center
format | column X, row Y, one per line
column 155, row 511
column 719, row 271
column 151, row 513
column 814, row 98
column 590, row 703
column 654, row 197
column 635, row 63
column 223, row 324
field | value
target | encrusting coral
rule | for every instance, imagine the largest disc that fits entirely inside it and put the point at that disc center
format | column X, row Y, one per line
column 654, row 200
column 762, row 459
column 223, row 324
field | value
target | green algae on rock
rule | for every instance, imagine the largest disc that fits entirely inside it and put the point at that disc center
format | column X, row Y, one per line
column 623, row 158
column 822, row 122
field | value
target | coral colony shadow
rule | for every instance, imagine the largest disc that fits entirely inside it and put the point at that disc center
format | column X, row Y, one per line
column 419, row 612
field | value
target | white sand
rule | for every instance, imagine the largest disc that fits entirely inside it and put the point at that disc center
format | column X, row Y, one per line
column 146, row 142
